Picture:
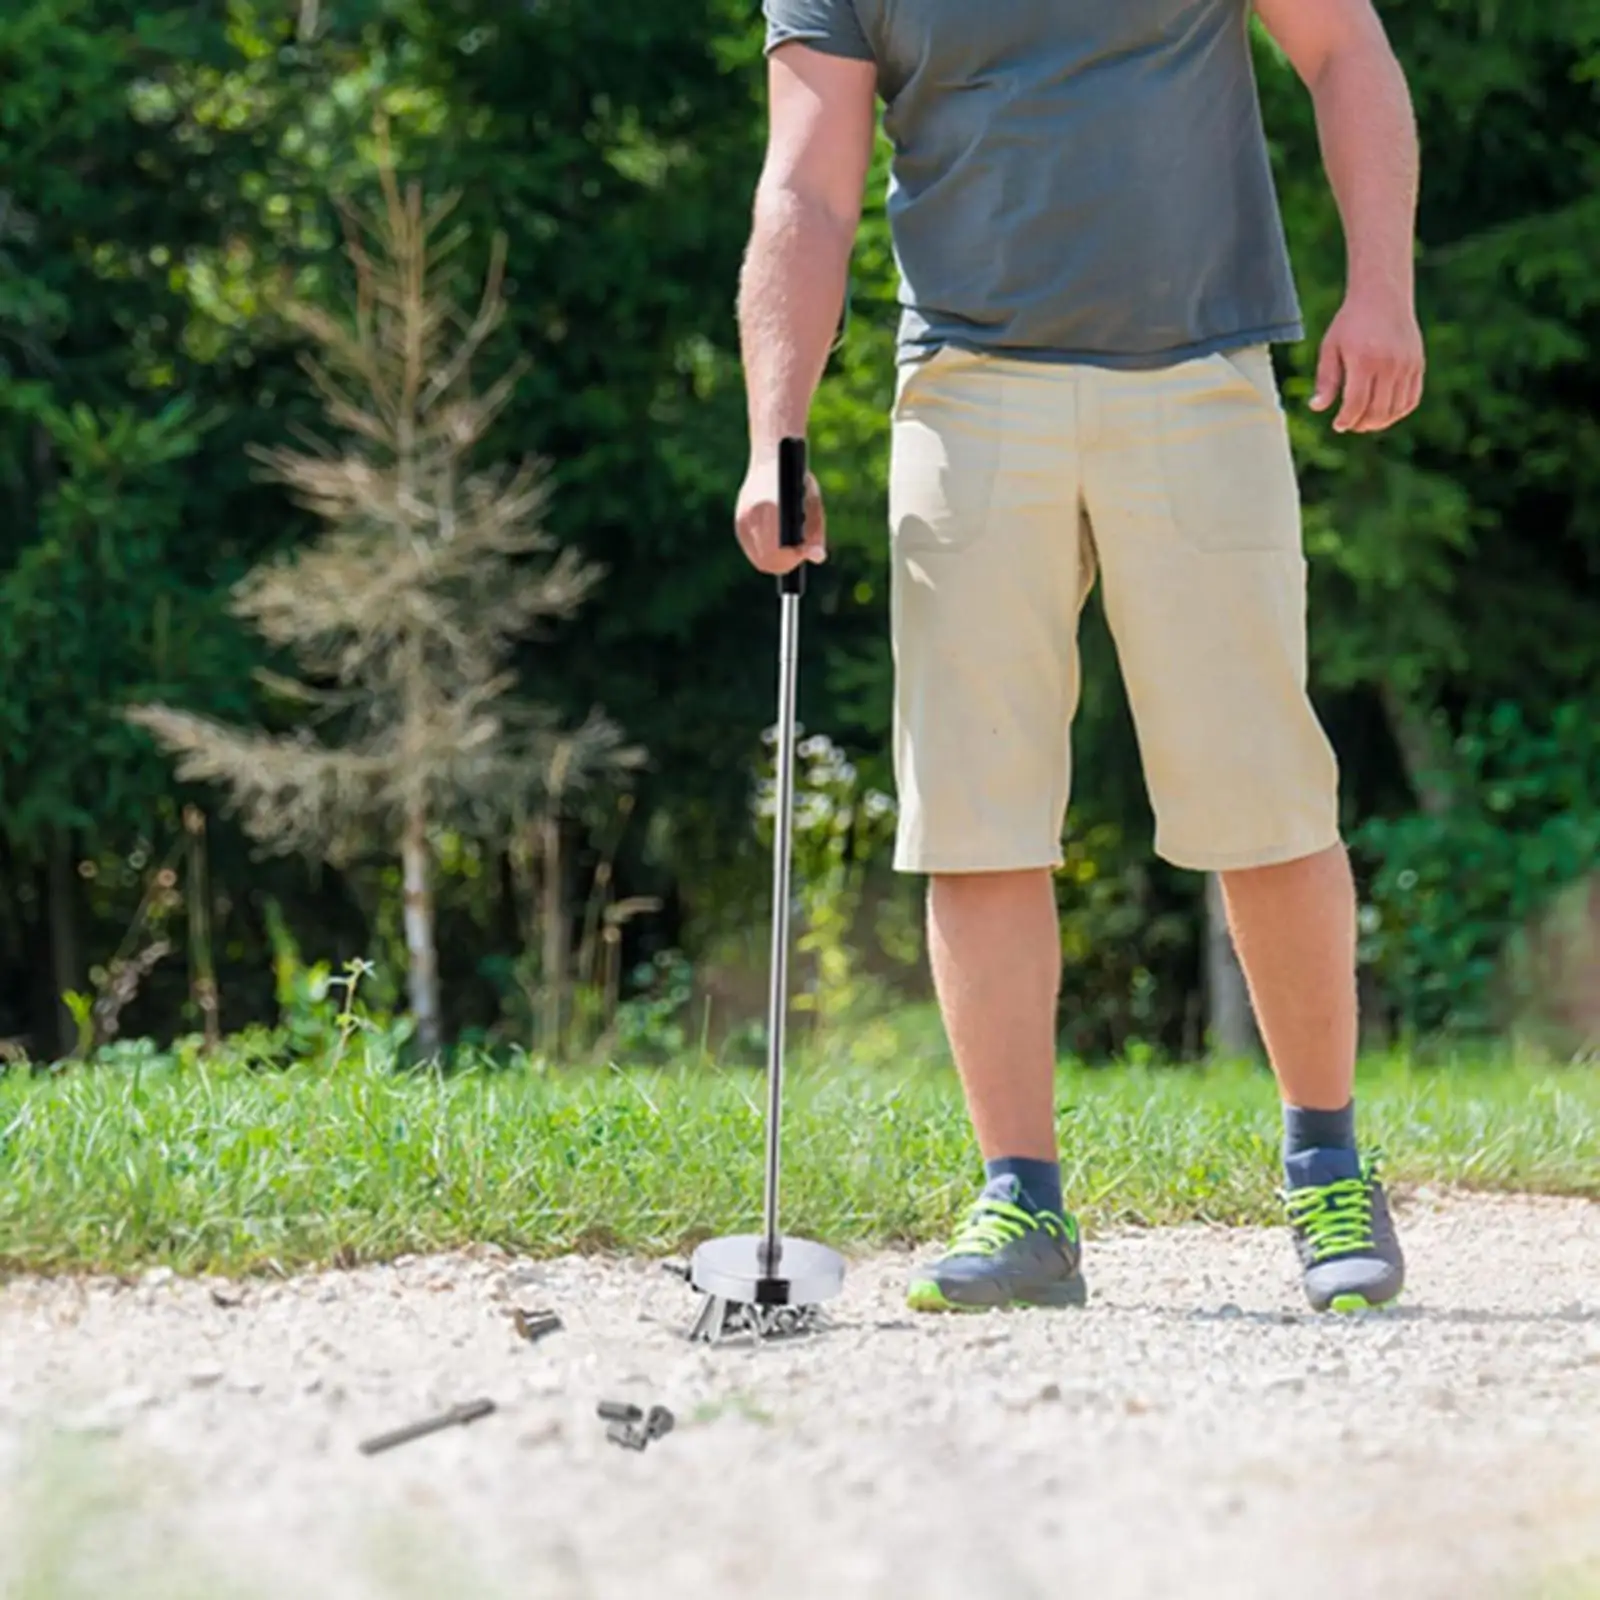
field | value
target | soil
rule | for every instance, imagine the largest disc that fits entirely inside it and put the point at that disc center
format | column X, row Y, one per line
column 1195, row 1432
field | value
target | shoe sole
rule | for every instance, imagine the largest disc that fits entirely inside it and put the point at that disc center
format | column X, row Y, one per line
column 1349, row 1305
column 925, row 1295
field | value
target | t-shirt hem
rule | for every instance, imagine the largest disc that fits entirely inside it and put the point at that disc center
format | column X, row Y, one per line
column 822, row 43
column 1135, row 361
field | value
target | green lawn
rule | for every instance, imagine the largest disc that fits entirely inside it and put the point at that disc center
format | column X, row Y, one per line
column 227, row 1169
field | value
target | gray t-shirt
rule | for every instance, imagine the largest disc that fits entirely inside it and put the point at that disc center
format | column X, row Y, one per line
column 1073, row 180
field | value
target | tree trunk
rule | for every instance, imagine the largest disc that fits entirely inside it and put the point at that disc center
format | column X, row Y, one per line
column 1373, row 1012
column 202, row 963
column 1423, row 754
column 61, row 888
column 510, row 920
column 13, row 924
column 554, row 918
column 1230, row 1022
column 421, row 953
column 1425, row 758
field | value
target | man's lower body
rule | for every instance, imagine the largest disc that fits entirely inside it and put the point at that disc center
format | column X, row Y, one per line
column 1013, row 484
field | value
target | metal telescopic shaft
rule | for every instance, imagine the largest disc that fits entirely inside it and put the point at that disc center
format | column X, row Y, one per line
column 778, row 1000
column 765, row 1283
column 791, row 534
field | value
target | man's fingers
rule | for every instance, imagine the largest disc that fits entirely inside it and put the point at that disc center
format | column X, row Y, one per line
column 757, row 529
column 1403, row 398
column 1330, row 373
column 1388, row 395
column 1414, row 391
column 1360, row 381
column 816, row 545
column 1396, row 393
column 776, row 558
column 1370, row 367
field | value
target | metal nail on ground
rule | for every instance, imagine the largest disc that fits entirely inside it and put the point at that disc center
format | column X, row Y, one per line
column 456, row 1417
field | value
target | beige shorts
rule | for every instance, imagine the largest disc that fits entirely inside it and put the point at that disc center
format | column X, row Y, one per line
column 1012, row 483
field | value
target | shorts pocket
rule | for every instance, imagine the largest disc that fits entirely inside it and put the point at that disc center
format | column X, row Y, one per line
column 913, row 377
column 1226, row 463
column 946, row 446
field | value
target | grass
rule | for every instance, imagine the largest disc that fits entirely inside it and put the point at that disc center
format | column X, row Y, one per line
column 221, row 1168
column 1568, row 1583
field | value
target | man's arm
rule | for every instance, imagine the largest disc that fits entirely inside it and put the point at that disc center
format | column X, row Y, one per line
column 807, row 208
column 1373, row 349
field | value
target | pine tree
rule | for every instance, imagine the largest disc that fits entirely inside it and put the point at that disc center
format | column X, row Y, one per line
column 403, row 614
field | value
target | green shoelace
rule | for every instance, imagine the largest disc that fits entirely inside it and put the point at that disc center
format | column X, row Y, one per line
column 1336, row 1218
column 992, row 1224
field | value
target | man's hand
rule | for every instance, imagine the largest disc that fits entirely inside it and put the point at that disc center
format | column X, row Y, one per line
column 1373, row 352
column 1373, row 356
column 756, row 521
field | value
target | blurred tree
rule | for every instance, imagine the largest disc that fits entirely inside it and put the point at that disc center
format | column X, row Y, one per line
column 403, row 613
column 103, row 588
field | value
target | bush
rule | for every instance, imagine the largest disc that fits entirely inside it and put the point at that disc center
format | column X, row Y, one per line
column 1453, row 893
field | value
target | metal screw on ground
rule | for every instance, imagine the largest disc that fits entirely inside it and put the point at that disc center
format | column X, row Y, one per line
column 624, row 1421
column 629, row 1438
column 535, row 1325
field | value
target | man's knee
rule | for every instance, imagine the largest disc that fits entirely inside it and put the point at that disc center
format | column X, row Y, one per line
column 1313, row 864
column 988, row 893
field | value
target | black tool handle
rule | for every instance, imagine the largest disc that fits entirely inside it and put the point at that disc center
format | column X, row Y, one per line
column 792, row 509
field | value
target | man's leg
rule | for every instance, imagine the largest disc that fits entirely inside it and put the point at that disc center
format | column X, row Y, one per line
column 1192, row 490
column 995, row 947
column 1294, row 927
column 990, row 573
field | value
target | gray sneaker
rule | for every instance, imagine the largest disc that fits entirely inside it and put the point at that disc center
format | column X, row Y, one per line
column 1005, row 1254
column 1345, row 1234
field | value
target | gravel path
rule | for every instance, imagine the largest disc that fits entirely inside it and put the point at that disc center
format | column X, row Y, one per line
column 1192, row 1434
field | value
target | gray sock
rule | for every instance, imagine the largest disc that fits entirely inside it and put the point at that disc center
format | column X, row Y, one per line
column 1040, row 1181
column 1304, row 1129
column 1319, row 1146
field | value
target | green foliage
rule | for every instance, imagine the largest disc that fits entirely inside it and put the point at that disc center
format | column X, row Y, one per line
column 652, row 1026
column 91, row 610
column 107, row 581
column 848, row 926
column 1452, row 892
column 840, row 829
column 1123, row 948
column 321, row 1013
column 81, row 1009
